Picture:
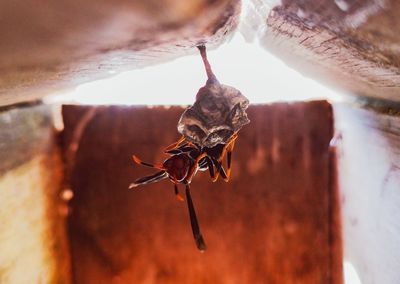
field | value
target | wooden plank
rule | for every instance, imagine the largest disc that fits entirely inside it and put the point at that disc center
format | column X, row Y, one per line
column 272, row 223
column 368, row 153
column 65, row 44
column 33, row 242
column 349, row 45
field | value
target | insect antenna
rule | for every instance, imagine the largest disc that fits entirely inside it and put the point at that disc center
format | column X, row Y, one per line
column 201, row 245
column 140, row 162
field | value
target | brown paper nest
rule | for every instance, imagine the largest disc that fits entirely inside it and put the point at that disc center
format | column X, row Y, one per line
column 218, row 112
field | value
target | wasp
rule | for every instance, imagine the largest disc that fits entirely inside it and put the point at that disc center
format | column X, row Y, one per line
column 184, row 161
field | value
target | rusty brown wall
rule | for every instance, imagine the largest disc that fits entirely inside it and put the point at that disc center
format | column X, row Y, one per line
column 274, row 222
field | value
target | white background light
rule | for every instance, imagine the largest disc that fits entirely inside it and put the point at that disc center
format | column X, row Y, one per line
column 350, row 274
column 248, row 67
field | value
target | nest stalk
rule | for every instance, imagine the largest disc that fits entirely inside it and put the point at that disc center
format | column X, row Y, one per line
column 211, row 79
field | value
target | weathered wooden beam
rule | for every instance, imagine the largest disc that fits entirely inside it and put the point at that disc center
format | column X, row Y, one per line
column 274, row 222
column 350, row 45
column 49, row 46
column 368, row 148
column 33, row 241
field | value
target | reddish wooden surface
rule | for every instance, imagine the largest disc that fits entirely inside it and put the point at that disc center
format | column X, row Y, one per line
column 273, row 223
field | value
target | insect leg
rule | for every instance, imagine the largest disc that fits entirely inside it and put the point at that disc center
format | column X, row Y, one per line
column 228, row 148
column 229, row 145
column 220, row 171
column 229, row 159
column 184, row 148
column 178, row 196
column 210, row 166
column 203, row 165
column 140, row 162
column 194, row 168
column 149, row 179
column 201, row 245
column 175, row 145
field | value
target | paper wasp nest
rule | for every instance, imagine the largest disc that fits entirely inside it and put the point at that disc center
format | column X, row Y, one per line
column 219, row 112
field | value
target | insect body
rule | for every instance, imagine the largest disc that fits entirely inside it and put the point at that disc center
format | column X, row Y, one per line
column 213, row 156
column 179, row 168
column 185, row 160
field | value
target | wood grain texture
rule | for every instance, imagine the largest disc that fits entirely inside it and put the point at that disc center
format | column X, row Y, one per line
column 47, row 46
column 368, row 151
column 272, row 223
column 33, row 241
column 351, row 45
